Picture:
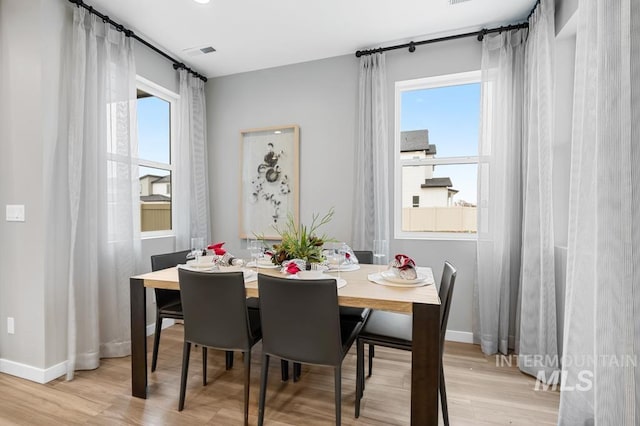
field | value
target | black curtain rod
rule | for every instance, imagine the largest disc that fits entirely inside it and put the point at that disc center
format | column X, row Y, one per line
column 129, row 33
column 412, row 44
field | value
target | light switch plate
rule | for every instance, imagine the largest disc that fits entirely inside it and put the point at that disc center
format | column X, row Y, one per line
column 15, row 212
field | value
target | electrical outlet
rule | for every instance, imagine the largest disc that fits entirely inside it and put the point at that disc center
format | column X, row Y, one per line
column 11, row 326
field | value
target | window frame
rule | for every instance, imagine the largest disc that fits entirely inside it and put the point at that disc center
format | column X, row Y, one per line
column 418, row 84
column 173, row 98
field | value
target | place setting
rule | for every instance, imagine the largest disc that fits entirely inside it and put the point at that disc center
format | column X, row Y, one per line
column 403, row 272
column 341, row 258
column 215, row 259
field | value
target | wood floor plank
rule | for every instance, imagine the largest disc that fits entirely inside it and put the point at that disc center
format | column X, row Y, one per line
column 481, row 392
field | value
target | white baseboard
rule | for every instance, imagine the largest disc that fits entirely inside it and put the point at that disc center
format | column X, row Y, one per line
column 459, row 336
column 167, row 322
column 35, row 374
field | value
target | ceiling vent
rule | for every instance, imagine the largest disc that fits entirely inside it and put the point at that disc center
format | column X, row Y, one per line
column 197, row 51
column 451, row 2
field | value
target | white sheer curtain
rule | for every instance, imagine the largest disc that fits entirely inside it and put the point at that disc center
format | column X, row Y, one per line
column 191, row 180
column 602, row 315
column 499, row 190
column 93, row 192
column 371, row 189
column 538, row 326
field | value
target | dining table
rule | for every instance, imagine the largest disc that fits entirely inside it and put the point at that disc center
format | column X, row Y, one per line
column 420, row 301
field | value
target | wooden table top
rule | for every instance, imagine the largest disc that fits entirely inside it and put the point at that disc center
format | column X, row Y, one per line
column 359, row 291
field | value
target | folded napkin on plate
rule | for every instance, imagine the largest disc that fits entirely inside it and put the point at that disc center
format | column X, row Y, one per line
column 349, row 256
column 404, row 267
column 217, row 249
column 293, row 266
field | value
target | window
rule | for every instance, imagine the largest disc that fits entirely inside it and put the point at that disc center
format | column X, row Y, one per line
column 156, row 112
column 436, row 156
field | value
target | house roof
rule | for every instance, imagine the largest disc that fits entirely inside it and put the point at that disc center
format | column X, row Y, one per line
column 150, row 177
column 154, row 198
column 416, row 140
column 156, row 178
column 439, row 182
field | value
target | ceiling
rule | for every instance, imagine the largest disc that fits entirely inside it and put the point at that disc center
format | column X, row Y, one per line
column 256, row 34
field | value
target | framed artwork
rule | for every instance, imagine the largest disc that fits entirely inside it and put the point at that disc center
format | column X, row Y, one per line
column 269, row 179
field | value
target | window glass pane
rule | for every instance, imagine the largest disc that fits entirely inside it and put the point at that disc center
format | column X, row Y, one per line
column 446, row 200
column 450, row 115
column 155, row 199
column 438, row 123
column 153, row 128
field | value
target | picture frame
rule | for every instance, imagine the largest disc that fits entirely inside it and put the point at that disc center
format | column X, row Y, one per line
column 269, row 179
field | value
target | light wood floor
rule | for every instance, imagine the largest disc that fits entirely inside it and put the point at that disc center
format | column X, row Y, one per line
column 479, row 393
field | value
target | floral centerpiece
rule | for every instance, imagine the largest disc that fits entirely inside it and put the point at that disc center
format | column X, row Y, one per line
column 301, row 241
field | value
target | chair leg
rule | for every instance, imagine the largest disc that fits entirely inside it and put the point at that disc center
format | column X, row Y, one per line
column 443, row 397
column 338, row 393
column 247, row 380
column 204, row 366
column 284, row 367
column 229, row 360
column 372, row 353
column 297, row 371
column 263, row 388
column 359, row 375
column 156, row 342
column 186, row 350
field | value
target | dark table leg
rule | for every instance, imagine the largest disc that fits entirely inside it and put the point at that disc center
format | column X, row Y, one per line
column 138, row 338
column 425, row 364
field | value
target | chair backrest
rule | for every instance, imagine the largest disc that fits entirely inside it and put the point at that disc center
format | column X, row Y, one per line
column 300, row 319
column 446, row 290
column 168, row 260
column 164, row 261
column 364, row 256
column 215, row 309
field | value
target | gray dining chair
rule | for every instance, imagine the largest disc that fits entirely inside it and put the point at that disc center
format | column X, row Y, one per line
column 216, row 316
column 301, row 323
column 364, row 256
column 168, row 304
column 347, row 313
column 395, row 330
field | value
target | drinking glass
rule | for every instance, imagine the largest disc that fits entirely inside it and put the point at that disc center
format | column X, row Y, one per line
column 197, row 245
column 380, row 249
column 255, row 249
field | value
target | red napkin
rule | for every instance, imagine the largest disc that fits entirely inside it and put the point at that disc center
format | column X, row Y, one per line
column 292, row 268
column 404, row 262
column 217, row 248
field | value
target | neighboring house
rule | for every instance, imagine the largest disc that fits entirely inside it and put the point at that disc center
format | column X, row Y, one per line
column 155, row 185
column 419, row 187
column 162, row 186
column 427, row 201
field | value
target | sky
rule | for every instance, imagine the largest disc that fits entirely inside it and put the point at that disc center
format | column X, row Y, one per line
column 153, row 133
column 452, row 116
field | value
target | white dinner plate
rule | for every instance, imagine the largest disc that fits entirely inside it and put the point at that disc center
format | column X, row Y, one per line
column 341, row 282
column 201, row 265
column 344, row 268
column 263, row 265
column 378, row 279
column 392, row 277
column 249, row 275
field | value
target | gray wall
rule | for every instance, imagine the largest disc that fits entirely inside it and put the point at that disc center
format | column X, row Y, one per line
column 31, row 45
column 28, row 112
column 321, row 97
